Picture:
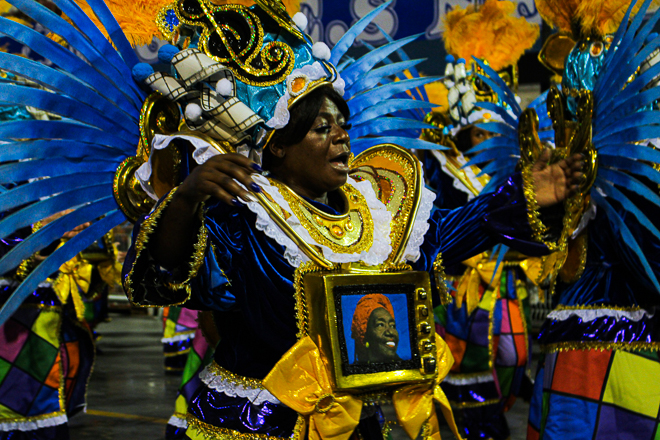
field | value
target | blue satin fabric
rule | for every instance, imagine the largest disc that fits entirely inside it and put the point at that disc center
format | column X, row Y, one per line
column 613, row 274
column 605, row 329
column 239, row 414
column 446, row 195
column 474, row 394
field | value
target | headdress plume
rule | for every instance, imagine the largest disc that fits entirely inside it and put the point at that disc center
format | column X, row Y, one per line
column 489, row 32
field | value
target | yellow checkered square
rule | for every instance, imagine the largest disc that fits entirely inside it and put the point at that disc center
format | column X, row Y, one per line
column 634, row 384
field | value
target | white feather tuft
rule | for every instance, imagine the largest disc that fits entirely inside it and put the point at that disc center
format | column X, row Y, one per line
column 321, row 51
column 300, row 20
column 193, row 112
column 224, row 87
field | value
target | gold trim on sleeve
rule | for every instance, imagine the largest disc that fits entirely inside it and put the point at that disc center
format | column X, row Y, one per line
column 146, row 230
column 538, row 228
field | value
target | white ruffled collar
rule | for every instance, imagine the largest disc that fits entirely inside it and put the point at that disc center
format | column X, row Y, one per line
column 376, row 254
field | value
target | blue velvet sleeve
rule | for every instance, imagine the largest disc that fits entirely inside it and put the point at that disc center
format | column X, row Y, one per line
column 148, row 284
column 446, row 195
column 498, row 217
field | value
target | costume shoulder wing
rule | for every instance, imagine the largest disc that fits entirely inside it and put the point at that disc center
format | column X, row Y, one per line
column 67, row 163
column 625, row 130
column 383, row 101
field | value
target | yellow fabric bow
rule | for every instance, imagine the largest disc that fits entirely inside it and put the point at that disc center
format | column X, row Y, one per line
column 414, row 403
column 480, row 268
column 301, row 381
column 73, row 281
column 110, row 272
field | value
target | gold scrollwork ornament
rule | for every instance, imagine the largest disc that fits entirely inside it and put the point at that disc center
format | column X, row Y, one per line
column 158, row 116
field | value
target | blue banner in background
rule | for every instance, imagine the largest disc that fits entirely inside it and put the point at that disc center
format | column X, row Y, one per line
column 328, row 20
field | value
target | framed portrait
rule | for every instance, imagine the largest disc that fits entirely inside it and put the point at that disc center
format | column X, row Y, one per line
column 377, row 329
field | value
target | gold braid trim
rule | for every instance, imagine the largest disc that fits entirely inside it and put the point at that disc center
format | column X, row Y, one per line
column 147, row 229
column 177, row 353
column 207, row 431
column 440, row 278
column 598, row 307
column 387, row 428
column 302, row 314
column 464, row 405
column 599, row 345
column 198, row 255
column 27, row 265
column 538, row 228
column 234, row 379
column 34, row 418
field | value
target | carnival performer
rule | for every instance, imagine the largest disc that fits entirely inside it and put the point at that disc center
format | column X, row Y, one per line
column 270, row 92
column 179, row 331
column 600, row 371
column 308, row 164
column 485, row 324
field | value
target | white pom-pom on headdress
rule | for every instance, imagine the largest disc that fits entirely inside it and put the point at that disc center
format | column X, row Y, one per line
column 300, row 20
column 224, row 87
column 193, row 112
column 321, row 51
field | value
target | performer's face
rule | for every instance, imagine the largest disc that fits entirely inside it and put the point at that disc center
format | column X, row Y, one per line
column 382, row 336
column 478, row 135
column 320, row 160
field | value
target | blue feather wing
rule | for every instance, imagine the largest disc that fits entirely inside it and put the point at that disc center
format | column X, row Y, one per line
column 68, row 164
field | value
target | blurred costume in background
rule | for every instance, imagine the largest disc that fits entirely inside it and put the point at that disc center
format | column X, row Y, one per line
column 599, row 376
column 199, row 356
column 485, row 324
column 179, row 331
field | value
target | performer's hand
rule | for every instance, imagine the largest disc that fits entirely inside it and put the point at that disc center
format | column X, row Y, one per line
column 554, row 183
column 69, row 234
column 217, row 177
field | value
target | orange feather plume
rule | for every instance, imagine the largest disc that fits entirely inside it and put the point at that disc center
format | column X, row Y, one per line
column 137, row 18
column 585, row 18
column 490, row 32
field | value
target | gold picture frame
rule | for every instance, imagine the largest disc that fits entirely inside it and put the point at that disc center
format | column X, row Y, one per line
column 331, row 300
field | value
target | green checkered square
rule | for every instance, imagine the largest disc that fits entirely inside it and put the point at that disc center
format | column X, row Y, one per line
column 475, row 358
column 648, row 354
column 192, row 366
column 37, row 357
column 505, row 378
column 4, row 369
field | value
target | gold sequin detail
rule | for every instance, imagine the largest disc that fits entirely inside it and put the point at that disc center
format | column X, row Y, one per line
column 538, row 228
column 440, row 278
column 599, row 345
column 256, row 64
column 328, row 230
column 146, row 230
column 216, row 433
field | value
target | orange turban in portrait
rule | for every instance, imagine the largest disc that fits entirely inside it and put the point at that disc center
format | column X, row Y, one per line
column 366, row 305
